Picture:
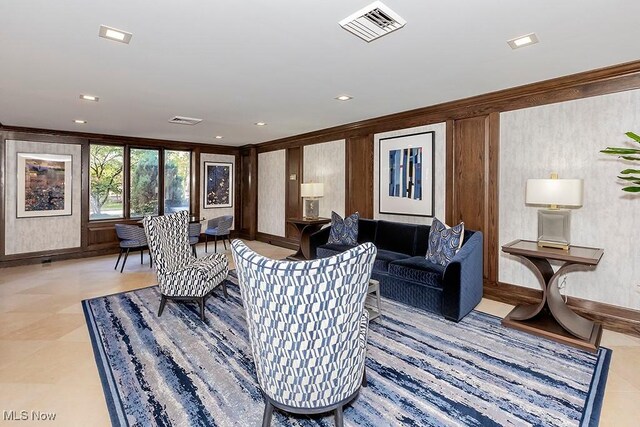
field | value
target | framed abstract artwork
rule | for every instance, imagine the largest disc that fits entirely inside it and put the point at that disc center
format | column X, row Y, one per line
column 218, row 188
column 44, row 185
column 406, row 174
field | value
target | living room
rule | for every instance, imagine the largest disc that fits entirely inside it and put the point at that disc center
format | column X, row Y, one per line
column 489, row 118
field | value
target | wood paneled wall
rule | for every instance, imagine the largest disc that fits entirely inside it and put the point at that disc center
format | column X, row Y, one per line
column 359, row 176
column 293, row 209
column 98, row 237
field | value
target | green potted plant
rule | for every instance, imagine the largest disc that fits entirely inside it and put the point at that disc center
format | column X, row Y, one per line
column 632, row 176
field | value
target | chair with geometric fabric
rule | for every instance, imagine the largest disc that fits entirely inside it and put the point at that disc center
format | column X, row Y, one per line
column 194, row 235
column 131, row 237
column 308, row 328
column 218, row 227
column 181, row 276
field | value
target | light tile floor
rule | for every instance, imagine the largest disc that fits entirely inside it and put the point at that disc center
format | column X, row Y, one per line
column 47, row 364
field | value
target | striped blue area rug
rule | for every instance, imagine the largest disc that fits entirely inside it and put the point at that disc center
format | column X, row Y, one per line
column 422, row 370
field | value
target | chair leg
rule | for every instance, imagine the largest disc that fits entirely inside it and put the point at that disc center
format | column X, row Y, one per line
column 339, row 419
column 118, row 261
column 215, row 243
column 206, row 241
column 193, row 248
column 141, row 256
column 224, row 288
column 201, row 304
column 126, row 254
column 225, row 243
column 163, row 301
column 268, row 412
column 365, row 383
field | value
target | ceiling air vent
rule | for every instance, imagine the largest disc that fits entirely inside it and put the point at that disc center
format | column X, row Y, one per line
column 373, row 21
column 181, row 120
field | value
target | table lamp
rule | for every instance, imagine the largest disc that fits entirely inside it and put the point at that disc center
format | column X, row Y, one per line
column 311, row 193
column 553, row 223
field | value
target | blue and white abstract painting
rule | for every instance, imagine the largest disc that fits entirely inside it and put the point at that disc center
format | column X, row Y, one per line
column 406, row 174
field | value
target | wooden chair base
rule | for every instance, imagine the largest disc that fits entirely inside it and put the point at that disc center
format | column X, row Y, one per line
column 200, row 300
column 337, row 409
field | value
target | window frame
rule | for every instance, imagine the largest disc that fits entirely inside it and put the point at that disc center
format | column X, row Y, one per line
column 126, row 179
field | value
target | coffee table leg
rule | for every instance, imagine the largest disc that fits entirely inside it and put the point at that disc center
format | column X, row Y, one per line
column 567, row 318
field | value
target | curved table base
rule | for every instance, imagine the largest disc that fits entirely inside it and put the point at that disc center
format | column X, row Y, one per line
column 552, row 318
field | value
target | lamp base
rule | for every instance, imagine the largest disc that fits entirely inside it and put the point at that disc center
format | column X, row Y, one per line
column 553, row 228
column 311, row 208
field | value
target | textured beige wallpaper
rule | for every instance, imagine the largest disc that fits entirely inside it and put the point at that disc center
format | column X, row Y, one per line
column 325, row 163
column 211, row 213
column 566, row 138
column 24, row 235
column 271, row 188
column 439, row 170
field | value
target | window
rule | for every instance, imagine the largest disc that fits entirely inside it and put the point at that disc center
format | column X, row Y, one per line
column 143, row 186
column 106, row 167
column 177, row 174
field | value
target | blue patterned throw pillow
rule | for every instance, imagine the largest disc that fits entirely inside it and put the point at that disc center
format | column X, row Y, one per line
column 444, row 242
column 344, row 231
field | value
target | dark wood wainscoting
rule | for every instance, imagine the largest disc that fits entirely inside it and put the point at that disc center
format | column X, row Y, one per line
column 293, row 208
column 359, row 176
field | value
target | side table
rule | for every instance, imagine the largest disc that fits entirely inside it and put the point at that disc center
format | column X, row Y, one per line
column 372, row 303
column 306, row 227
column 551, row 317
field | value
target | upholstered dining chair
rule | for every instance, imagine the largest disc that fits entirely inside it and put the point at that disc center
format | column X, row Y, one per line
column 131, row 237
column 194, row 236
column 308, row 328
column 218, row 227
column 181, row 276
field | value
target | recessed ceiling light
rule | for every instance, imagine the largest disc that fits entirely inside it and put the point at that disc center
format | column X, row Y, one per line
column 522, row 41
column 343, row 97
column 115, row 34
column 79, row 122
column 89, row 98
column 219, row 136
column 260, row 124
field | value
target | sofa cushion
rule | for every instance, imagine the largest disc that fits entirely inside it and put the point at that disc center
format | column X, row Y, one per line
column 395, row 237
column 418, row 269
column 367, row 230
column 344, row 231
column 383, row 258
column 444, row 242
column 422, row 240
column 328, row 250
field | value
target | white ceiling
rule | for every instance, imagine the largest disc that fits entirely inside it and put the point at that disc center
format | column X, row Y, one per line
column 234, row 63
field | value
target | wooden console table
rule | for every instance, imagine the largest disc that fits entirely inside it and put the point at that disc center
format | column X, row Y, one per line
column 552, row 318
column 306, row 227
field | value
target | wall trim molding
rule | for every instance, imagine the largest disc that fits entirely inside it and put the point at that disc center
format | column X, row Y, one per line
column 283, row 242
column 619, row 319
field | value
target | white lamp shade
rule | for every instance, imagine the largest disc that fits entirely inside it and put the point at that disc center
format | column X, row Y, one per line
column 312, row 189
column 560, row 192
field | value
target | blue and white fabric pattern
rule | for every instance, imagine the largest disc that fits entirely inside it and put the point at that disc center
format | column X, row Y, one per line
column 307, row 324
column 444, row 242
column 344, row 231
column 178, row 271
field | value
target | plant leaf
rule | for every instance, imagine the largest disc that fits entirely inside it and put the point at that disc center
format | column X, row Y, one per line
column 620, row 150
column 628, row 171
column 634, row 179
column 633, row 136
column 632, row 189
column 635, row 159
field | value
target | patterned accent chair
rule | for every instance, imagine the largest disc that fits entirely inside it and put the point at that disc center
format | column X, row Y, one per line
column 218, row 227
column 181, row 276
column 194, row 236
column 131, row 237
column 308, row 327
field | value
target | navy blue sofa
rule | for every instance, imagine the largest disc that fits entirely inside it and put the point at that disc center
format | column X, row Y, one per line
column 404, row 273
